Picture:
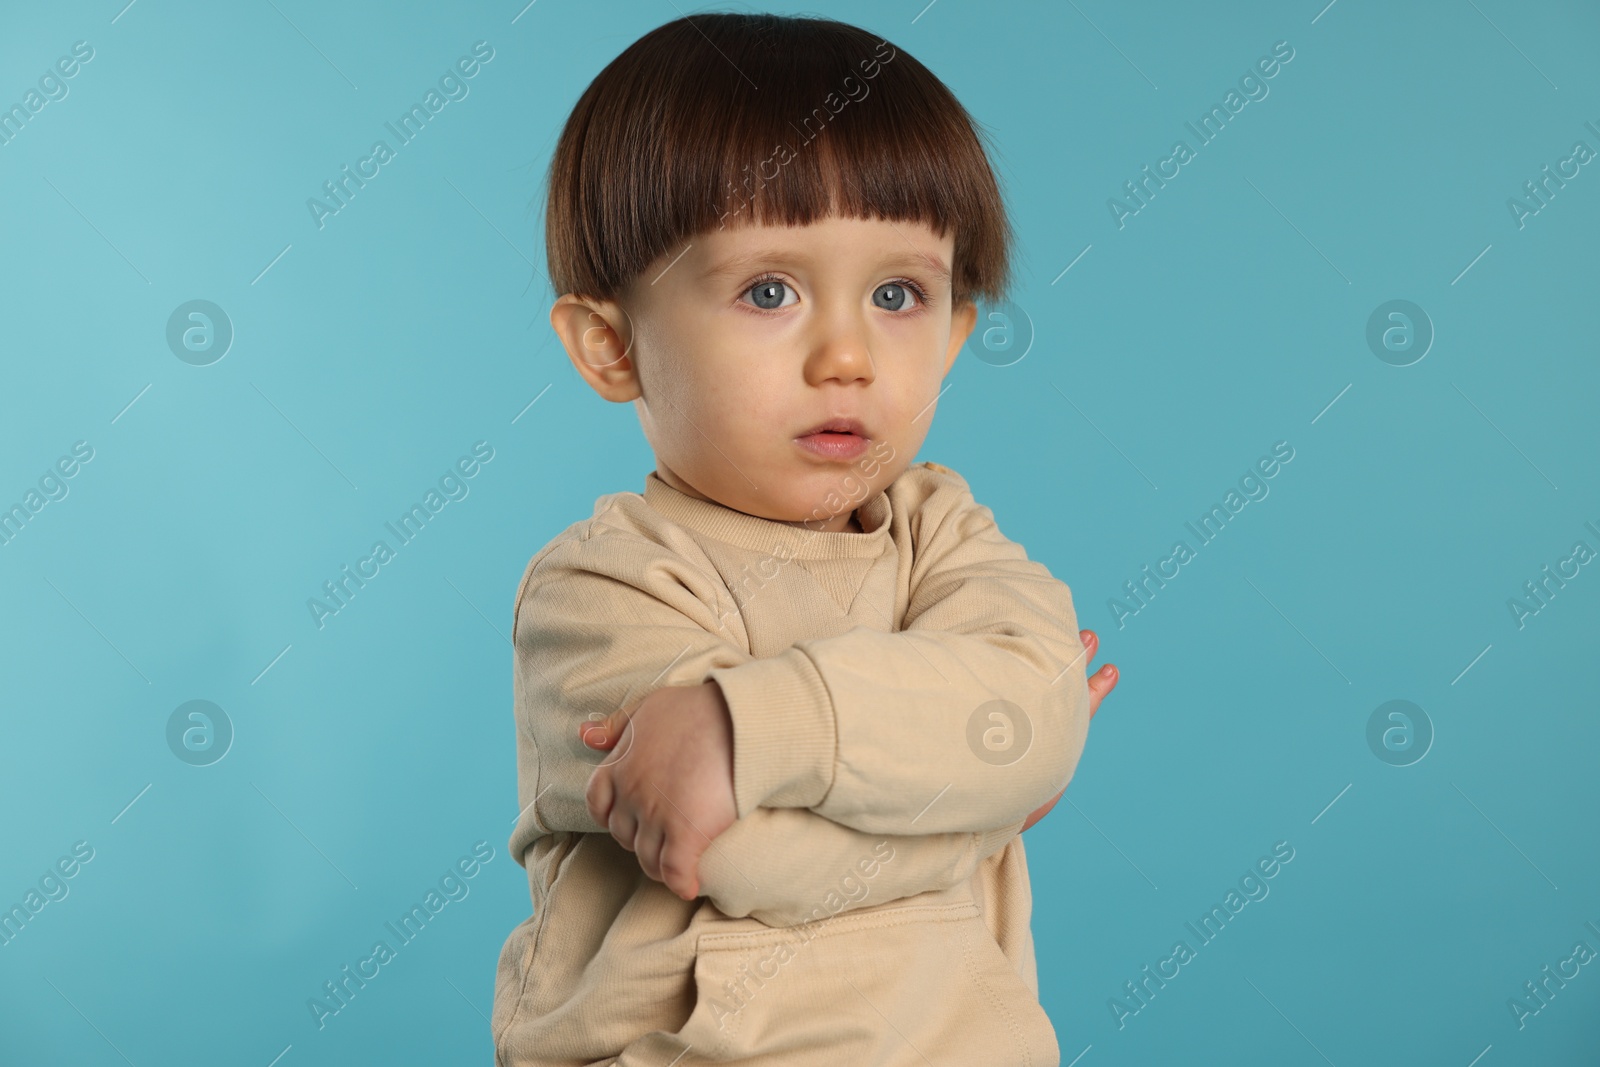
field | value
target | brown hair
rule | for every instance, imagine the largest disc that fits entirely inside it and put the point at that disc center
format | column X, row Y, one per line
column 678, row 135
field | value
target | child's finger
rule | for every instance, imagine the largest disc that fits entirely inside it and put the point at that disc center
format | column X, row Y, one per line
column 624, row 827
column 593, row 733
column 1101, row 682
column 603, row 733
column 647, row 843
column 600, row 794
column 1091, row 643
column 680, row 865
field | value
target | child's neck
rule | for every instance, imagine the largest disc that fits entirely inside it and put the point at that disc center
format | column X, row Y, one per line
column 852, row 525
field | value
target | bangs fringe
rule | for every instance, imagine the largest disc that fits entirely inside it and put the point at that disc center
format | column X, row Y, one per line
column 728, row 119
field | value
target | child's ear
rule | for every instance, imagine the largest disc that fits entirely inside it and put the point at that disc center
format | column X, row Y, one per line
column 962, row 319
column 598, row 337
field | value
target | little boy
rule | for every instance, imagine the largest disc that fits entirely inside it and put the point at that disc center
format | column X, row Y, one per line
column 782, row 717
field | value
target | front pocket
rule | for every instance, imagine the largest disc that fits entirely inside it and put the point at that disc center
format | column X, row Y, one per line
column 911, row 985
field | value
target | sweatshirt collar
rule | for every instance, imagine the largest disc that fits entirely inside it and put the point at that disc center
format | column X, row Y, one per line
column 722, row 523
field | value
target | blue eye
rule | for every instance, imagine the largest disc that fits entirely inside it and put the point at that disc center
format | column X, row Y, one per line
column 891, row 296
column 767, row 293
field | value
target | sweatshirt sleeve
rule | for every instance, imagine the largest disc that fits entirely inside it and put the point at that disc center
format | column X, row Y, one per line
column 604, row 619
column 968, row 718
column 786, row 866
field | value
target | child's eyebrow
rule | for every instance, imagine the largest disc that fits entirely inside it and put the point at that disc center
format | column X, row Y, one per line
column 747, row 261
column 932, row 264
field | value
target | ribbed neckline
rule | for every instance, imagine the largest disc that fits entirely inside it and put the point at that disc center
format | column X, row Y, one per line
column 722, row 523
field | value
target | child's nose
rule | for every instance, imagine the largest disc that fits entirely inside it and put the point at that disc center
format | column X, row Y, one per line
column 843, row 356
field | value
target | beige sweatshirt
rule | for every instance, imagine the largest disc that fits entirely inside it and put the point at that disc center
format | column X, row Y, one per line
column 902, row 699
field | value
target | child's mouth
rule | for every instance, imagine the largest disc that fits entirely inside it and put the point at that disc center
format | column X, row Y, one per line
column 833, row 444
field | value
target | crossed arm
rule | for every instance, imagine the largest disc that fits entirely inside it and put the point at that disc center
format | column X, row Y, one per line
column 836, row 737
column 811, row 870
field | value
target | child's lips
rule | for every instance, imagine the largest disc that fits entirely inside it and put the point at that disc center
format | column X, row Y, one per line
column 831, row 445
column 840, row 424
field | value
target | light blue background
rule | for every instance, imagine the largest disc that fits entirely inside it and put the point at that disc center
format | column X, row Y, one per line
column 1225, row 316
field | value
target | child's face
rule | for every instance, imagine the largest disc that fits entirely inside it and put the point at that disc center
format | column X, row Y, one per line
column 739, row 346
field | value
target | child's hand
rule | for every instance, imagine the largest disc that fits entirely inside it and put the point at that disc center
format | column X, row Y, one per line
column 1101, row 682
column 666, row 789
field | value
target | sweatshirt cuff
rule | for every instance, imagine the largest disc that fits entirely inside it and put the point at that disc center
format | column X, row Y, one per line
column 783, row 731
